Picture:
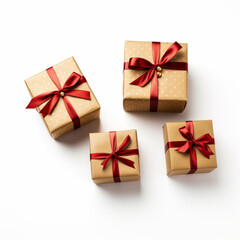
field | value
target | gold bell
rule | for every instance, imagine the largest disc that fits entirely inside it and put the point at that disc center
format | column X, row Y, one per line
column 159, row 69
column 62, row 94
column 159, row 74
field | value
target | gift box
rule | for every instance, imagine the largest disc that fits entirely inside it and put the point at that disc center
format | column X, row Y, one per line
column 63, row 97
column 114, row 156
column 155, row 76
column 189, row 147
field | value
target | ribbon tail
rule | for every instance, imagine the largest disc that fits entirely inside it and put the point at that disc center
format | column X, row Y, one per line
column 128, row 152
column 105, row 162
column 124, row 143
column 204, row 149
column 144, row 79
column 38, row 100
column 201, row 144
column 48, row 108
column 126, row 161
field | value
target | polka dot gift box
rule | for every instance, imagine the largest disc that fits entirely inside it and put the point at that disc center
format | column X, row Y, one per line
column 63, row 98
column 155, row 76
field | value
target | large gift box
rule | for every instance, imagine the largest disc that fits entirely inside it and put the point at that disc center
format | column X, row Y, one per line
column 155, row 76
column 63, row 97
column 189, row 147
column 114, row 156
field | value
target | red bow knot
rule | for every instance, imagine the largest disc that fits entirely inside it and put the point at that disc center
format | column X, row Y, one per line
column 163, row 62
column 73, row 81
column 191, row 144
column 116, row 154
column 201, row 143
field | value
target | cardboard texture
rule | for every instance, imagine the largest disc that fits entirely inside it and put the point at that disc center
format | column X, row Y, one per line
column 179, row 163
column 100, row 142
column 172, row 85
column 59, row 122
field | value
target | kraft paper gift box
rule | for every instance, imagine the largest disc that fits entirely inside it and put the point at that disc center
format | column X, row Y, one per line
column 164, row 86
column 72, row 102
column 189, row 147
column 114, row 156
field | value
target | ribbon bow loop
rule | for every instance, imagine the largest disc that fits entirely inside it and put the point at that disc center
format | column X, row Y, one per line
column 170, row 53
column 73, row 81
column 139, row 64
column 206, row 138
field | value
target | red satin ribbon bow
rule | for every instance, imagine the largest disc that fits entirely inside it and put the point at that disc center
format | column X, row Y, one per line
column 73, row 81
column 115, row 155
column 151, row 75
column 191, row 144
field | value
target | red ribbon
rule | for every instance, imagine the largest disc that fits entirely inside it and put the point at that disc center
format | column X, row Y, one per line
column 73, row 81
column 151, row 74
column 115, row 155
column 191, row 144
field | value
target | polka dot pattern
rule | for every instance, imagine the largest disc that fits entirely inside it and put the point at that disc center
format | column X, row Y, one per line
column 59, row 122
column 172, row 85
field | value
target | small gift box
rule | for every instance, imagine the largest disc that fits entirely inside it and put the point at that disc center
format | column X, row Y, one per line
column 63, row 97
column 189, row 147
column 114, row 156
column 155, row 76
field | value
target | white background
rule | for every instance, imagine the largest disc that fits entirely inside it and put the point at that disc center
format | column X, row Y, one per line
column 46, row 191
